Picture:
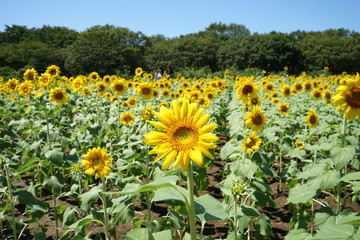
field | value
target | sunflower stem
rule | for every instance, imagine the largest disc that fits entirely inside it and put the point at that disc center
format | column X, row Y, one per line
column 11, row 201
column 47, row 127
column 235, row 216
column 191, row 205
column 104, row 200
column 147, row 172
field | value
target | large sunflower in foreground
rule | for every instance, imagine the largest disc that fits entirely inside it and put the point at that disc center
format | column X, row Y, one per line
column 348, row 98
column 58, row 96
column 97, row 161
column 184, row 135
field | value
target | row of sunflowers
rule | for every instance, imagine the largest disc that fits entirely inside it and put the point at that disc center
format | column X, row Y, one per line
column 116, row 148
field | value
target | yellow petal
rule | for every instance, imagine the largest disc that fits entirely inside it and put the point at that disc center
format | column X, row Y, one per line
column 196, row 156
column 203, row 119
column 159, row 125
column 184, row 164
column 208, row 137
column 169, row 159
column 207, row 128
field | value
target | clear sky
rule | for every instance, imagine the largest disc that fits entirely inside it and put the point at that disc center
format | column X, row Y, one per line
column 173, row 18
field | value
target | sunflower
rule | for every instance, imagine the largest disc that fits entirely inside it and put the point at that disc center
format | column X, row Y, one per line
column 94, row 76
column 138, row 71
column 327, row 97
column 127, row 118
column 285, row 90
column 119, row 87
column 165, row 93
column 251, row 143
column 348, row 98
column 132, row 101
column 203, row 102
column 86, row 91
column 11, row 84
column 147, row 113
column 283, row 108
column 101, row 87
column 299, row 143
column 312, row 119
column 97, row 161
column 307, row 86
column 53, row 70
column 30, row 74
column 145, row 90
column 316, row 94
column 255, row 119
column 25, row 88
column 77, row 84
column 58, row 96
column 113, row 99
column 247, row 90
column 298, row 87
column 184, row 135
column 155, row 93
column 254, row 101
column 269, row 87
column 45, row 79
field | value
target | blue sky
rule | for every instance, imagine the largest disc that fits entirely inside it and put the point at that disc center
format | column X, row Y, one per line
column 173, row 18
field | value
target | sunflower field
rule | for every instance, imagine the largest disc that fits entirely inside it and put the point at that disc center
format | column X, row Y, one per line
column 234, row 157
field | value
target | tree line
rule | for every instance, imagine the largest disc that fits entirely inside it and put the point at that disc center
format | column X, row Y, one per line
column 117, row 50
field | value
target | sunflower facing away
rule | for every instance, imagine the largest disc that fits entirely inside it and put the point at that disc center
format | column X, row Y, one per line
column 255, row 119
column 58, row 96
column 251, row 143
column 312, row 119
column 184, row 135
column 97, row 161
column 347, row 98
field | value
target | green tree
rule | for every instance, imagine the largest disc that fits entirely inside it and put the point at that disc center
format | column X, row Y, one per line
column 106, row 50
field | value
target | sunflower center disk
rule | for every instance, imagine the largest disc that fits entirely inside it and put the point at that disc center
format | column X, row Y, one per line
column 184, row 137
column 353, row 97
column 59, row 95
column 257, row 119
column 248, row 89
column 97, row 164
column 312, row 119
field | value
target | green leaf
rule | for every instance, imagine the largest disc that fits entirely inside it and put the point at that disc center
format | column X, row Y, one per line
column 163, row 235
column 82, row 222
column 334, row 232
column 56, row 156
column 37, row 208
column 249, row 211
column 138, row 234
column 313, row 171
column 226, row 150
column 170, row 194
column 262, row 225
column 302, row 193
column 68, row 216
column 89, row 197
column 214, row 210
column 329, row 179
column 54, row 184
column 298, row 234
column 342, row 156
column 354, row 176
column 30, row 164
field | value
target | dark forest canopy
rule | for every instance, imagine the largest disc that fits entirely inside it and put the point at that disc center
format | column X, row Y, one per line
column 117, row 50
